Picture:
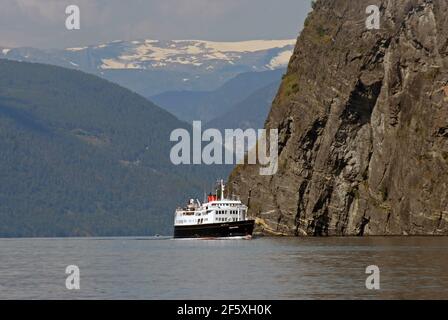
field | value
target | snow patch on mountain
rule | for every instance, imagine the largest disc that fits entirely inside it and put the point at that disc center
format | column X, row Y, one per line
column 76, row 49
column 239, row 46
column 282, row 59
column 114, row 64
column 149, row 54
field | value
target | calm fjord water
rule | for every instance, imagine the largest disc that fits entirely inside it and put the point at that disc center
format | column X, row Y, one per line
column 263, row 268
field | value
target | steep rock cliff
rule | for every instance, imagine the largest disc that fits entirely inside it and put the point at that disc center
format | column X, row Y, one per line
column 363, row 126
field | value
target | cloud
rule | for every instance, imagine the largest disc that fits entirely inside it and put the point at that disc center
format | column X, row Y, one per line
column 41, row 23
column 45, row 11
column 205, row 8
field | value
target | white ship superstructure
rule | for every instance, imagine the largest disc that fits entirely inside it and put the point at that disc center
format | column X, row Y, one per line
column 218, row 216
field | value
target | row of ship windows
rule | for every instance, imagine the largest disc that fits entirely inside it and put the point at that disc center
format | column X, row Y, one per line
column 226, row 219
column 191, row 221
column 226, row 212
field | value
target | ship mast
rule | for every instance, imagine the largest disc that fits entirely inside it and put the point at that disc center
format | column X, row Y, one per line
column 222, row 189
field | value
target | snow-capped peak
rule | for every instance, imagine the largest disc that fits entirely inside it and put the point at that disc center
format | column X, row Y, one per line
column 156, row 54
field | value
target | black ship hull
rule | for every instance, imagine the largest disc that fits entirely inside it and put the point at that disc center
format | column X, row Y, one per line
column 236, row 229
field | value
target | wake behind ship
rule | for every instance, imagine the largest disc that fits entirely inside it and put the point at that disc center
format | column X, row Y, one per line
column 218, row 217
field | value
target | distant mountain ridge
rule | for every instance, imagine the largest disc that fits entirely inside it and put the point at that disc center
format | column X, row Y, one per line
column 150, row 67
column 250, row 113
column 209, row 105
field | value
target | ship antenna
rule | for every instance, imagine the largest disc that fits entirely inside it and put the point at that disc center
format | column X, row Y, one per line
column 215, row 187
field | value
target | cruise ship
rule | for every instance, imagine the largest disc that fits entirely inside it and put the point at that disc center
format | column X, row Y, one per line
column 217, row 218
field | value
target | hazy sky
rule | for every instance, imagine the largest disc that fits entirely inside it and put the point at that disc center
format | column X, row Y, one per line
column 41, row 23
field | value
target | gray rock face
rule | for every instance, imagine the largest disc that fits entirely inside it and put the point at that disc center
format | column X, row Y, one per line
column 363, row 126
